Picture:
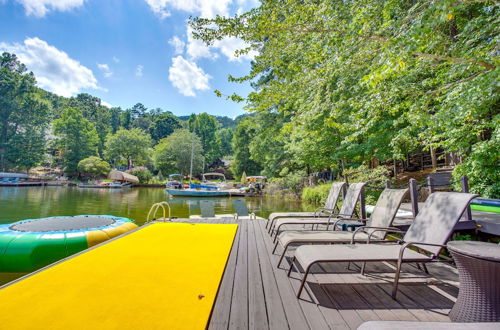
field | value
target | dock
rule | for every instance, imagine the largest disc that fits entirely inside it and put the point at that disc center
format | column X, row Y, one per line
column 144, row 291
column 255, row 294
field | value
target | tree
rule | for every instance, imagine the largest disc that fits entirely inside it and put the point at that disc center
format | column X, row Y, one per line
column 243, row 161
column 163, row 125
column 393, row 78
column 96, row 113
column 78, row 138
column 129, row 146
column 224, row 137
column 94, row 166
column 205, row 126
column 24, row 116
column 173, row 154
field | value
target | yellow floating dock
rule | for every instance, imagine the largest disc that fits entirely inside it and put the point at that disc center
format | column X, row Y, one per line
column 162, row 276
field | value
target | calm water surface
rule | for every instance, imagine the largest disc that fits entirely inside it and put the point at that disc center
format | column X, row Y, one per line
column 18, row 203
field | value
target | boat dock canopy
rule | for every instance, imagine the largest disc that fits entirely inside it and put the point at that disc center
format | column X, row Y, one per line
column 162, row 276
column 122, row 176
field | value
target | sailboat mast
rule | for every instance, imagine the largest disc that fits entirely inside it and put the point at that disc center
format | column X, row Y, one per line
column 192, row 154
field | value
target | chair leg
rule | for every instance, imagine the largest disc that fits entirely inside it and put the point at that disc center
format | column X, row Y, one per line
column 303, row 282
column 363, row 268
column 291, row 267
column 396, row 279
column 275, row 246
column 283, row 255
column 425, row 268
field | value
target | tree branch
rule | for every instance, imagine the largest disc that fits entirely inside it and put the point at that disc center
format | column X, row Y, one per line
column 486, row 65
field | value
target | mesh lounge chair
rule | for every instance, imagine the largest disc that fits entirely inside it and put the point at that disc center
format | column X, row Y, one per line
column 411, row 325
column 381, row 219
column 429, row 232
column 346, row 212
column 242, row 210
column 325, row 211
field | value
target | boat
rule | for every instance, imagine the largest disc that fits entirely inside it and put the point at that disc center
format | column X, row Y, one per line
column 207, row 188
column 485, row 205
column 174, row 181
column 197, row 192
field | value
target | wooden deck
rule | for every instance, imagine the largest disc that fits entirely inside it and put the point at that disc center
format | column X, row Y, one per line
column 255, row 294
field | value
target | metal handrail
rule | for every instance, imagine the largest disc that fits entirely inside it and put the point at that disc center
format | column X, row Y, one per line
column 154, row 209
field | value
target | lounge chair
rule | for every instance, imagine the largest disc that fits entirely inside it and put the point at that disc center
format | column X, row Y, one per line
column 242, row 210
column 380, row 220
column 412, row 325
column 325, row 211
column 429, row 231
column 347, row 211
column 207, row 208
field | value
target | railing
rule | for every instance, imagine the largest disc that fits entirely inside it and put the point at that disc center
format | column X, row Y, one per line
column 154, row 210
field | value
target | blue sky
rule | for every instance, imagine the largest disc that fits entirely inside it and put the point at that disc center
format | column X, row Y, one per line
column 127, row 51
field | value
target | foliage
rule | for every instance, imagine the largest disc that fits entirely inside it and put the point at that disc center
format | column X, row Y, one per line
column 244, row 132
column 129, row 146
column 359, row 80
column 317, row 194
column 142, row 173
column 78, row 138
column 94, row 166
column 292, row 183
column 375, row 178
column 163, row 125
column 482, row 167
column 24, row 116
column 224, row 138
column 173, row 154
column 205, row 126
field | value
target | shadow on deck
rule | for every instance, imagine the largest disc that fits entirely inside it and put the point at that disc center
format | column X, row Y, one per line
column 255, row 294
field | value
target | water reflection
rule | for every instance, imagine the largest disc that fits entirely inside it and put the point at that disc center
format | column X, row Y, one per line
column 17, row 203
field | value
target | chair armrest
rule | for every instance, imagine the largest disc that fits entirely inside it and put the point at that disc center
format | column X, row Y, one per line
column 386, row 229
column 408, row 244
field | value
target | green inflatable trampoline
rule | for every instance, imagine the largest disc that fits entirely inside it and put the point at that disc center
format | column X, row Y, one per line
column 30, row 244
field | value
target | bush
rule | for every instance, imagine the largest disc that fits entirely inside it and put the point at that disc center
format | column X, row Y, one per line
column 93, row 167
column 291, row 184
column 142, row 173
column 375, row 177
column 316, row 194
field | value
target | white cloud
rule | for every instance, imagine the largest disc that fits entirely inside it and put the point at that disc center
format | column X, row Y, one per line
column 196, row 48
column 116, row 59
column 106, row 104
column 106, row 71
column 187, row 77
column 204, row 8
column 178, row 45
column 228, row 46
column 138, row 71
column 54, row 69
column 40, row 8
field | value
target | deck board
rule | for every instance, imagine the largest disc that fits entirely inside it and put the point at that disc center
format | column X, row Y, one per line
column 255, row 294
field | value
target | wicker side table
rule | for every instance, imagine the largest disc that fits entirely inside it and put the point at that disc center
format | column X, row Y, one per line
column 478, row 265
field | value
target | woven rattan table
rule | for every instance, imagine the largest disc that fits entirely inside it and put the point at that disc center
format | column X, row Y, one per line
column 478, row 265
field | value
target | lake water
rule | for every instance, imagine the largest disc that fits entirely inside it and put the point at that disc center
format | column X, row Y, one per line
column 18, row 203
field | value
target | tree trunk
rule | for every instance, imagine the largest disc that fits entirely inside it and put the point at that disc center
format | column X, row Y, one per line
column 433, row 158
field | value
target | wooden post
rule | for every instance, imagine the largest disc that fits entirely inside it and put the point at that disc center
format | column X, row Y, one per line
column 465, row 188
column 430, row 184
column 433, row 157
column 414, row 196
column 362, row 204
column 388, row 183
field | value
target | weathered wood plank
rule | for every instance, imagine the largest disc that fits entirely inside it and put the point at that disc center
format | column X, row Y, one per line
column 293, row 310
column 257, row 314
column 222, row 308
column 274, row 305
column 239, row 303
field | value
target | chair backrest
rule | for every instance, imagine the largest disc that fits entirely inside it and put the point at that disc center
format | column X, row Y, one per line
column 386, row 209
column 436, row 220
column 241, row 207
column 207, row 209
column 333, row 195
column 351, row 199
